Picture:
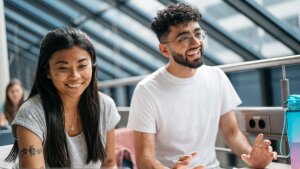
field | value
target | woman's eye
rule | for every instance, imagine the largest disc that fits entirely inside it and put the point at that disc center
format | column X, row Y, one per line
column 82, row 66
column 63, row 68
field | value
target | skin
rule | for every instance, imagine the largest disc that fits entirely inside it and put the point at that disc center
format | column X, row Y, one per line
column 71, row 73
column 3, row 120
column 258, row 156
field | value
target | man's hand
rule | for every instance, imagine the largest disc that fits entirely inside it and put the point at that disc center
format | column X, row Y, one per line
column 261, row 154
column 184, row 162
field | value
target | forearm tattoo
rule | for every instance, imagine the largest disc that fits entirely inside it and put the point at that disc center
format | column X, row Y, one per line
column 30, row 151
column 108, row 161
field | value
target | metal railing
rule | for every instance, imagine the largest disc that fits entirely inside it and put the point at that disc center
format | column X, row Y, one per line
column 249, row 65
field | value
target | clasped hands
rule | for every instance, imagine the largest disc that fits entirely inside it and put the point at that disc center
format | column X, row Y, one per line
column 260, row 156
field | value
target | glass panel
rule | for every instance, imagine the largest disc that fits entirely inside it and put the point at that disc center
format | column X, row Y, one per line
column 118, row 41
column 239, row 25
column 118, row 59
column 148, row 8
column 62, row 7
column 136, row 29
column 38, row 13
column 278, row 8
column 94, row 5
column 25, row 22
column 20, row 32
column 223, row 54
column 108, row 67
column 18, row 42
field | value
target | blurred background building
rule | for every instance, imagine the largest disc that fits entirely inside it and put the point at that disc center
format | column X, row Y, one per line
column 238, row 31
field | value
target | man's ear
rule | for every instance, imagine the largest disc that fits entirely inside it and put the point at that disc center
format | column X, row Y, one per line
column 164, row 50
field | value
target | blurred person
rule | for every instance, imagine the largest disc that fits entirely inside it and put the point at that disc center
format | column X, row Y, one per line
column 65, row 122
column 179, row 108
column 13, row 99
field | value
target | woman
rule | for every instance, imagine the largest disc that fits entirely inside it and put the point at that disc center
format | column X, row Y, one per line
column 14, row 99
column 65, row 122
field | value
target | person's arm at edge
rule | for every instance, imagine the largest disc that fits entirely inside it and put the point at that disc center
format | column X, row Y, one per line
column 31, row 154
column 110, row 160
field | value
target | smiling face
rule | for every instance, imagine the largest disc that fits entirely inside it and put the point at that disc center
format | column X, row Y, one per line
column 184, row 45
column 70, row 71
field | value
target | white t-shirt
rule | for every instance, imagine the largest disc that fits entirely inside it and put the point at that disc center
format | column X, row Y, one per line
column 183, row 113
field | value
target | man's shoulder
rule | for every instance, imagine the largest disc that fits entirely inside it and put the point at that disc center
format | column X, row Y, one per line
column 153, row 77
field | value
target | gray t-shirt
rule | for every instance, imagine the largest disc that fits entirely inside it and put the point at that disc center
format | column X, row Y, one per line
column 31, row 115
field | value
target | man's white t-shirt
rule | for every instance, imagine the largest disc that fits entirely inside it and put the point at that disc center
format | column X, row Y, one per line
column 183, row 113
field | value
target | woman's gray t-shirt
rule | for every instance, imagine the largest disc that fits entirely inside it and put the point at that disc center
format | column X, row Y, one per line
column 31, row 115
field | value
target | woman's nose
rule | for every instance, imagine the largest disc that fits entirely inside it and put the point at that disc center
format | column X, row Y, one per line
column 75, row 73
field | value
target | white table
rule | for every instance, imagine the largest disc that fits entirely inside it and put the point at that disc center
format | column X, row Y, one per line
column 274, row 165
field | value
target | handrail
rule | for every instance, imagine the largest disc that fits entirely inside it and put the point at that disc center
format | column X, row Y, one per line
column 248, row 65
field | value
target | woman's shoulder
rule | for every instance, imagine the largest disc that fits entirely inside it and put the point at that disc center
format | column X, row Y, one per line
column 105, row 99
column 33, row 102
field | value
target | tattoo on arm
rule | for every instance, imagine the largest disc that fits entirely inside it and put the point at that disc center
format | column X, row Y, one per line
column 31, row 151
column 108, row 161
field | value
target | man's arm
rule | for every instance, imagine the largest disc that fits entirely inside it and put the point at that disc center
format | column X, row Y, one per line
column 144, row 150
column 232, row 134
column 258, row 156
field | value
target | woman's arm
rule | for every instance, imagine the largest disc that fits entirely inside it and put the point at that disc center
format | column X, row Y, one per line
column 31, row 153
column 110, row 160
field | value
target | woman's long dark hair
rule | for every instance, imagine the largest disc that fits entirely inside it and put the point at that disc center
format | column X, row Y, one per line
column 9, row 110
column 55, row 148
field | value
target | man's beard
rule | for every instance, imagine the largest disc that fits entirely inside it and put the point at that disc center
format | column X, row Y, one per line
column 179, row 58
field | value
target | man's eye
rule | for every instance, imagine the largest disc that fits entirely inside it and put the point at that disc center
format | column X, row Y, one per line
column 198, row 34
column 184, row 38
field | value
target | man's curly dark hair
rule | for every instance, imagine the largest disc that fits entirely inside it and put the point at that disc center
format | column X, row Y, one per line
column 174, row 14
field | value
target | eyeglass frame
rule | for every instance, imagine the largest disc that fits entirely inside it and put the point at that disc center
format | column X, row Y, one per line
column 190, row 37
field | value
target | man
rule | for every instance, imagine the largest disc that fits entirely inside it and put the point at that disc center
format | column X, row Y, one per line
column 179, row 108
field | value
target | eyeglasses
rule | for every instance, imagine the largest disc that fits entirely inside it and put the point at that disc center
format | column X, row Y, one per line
column 186, row 38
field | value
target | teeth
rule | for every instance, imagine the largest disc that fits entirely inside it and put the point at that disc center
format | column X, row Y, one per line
column 74, row 85
column 192, row 52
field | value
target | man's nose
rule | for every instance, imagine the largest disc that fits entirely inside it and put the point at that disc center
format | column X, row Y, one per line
column 196, row 41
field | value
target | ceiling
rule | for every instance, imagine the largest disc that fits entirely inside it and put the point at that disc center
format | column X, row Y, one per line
column 125, row 45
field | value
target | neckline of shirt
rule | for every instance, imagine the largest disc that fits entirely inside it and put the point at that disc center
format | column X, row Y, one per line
column 167, row 75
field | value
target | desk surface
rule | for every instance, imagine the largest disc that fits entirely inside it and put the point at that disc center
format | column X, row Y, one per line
column 274, row 165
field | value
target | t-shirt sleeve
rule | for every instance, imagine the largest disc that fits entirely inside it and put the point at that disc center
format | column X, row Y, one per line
column 230, row 98
column 31, row 116
column 110, row 112
column 142, row 111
